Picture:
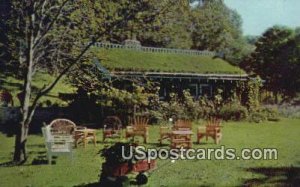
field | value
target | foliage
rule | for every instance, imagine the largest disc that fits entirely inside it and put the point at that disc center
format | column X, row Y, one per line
column 207, row 108
column 172, row 29
column 253, row 92
column 121, row 96
column 276, row 60
column 218, row 28
column 54, row 36
column 271, row 114
column 263, row 114
column 257, row 117
column 233, row 111
column 174, row 108
column 186, row 107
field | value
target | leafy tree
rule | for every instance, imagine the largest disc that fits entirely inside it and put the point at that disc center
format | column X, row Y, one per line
column 217, row 28
column 276, row 60
column 173, row 28
column 52, row 36
column 251, row 39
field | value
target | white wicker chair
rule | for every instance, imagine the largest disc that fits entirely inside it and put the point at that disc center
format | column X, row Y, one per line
column 57, row 143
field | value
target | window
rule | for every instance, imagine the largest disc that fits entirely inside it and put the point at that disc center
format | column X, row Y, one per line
column 162, row 93
column 193, row 89
column 205, row 90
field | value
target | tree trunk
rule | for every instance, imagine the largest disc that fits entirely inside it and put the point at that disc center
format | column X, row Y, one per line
column 20, row 143
column 22, row 129
column 276, row 97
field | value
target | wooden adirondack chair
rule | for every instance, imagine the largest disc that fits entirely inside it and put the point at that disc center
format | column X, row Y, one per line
column 57, row 144
column 138, row 127
column 112, row 127
column 212, row 129
column 164, row 134
column 181, row 125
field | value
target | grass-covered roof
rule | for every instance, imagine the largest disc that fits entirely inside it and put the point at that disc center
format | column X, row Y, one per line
column 140, row 61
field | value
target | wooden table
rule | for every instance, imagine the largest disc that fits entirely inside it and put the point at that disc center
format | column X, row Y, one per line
column 181, row 138
column 85, row 135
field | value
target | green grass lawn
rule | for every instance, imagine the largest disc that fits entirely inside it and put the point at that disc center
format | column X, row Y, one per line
column 85, row 168
column 131, row 60
column 14, row 86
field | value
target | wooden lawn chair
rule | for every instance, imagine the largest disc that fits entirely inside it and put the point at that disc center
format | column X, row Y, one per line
column 212, row 129
column 138, row 127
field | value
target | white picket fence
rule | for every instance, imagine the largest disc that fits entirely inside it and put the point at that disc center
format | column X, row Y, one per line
column 154, row 49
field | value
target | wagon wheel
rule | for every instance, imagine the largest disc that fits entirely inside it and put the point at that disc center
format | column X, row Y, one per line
column 122, row 181
column 141, row 178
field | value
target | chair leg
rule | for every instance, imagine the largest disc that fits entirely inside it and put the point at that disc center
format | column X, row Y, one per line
column 160, row 140
column 217, row 140
column 71, row 157
column 95, row 140
column 49, row 159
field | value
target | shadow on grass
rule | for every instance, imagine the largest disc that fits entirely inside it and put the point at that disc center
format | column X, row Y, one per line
column 10, row 84
column 106, row 142
column 36, row 145
column 8, row 164
column 12, row 163
column 95, row 184
column 9, row 129
column 40, row 160
column 283, row 176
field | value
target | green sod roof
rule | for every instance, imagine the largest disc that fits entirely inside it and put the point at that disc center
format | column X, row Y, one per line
column 139, row 61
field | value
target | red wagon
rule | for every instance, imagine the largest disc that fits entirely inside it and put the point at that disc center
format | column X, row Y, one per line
column 118, row 172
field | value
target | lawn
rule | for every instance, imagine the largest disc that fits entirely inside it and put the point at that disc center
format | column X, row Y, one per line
column 14, row 86
column 131, row 60
column 85, row 168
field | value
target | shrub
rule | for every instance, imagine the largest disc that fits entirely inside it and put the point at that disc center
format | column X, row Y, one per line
column 233, row 111
column 271, row 114
column 192, row 109
column 257, row 117
column 207, row 108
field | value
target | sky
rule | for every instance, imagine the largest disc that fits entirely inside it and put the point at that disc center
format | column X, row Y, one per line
column 259, row 15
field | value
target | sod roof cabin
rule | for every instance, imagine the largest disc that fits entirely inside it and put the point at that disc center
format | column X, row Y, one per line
column 202, row 72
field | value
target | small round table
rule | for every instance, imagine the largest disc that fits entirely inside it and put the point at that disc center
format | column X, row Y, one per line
column 85, row 134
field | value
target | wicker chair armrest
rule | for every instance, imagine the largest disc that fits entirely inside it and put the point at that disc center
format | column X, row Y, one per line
column 80, row 128
column 62, row 139
column 129, row 127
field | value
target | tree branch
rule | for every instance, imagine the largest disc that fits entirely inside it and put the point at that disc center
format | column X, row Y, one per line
column 47, row 89
column 43, row 34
